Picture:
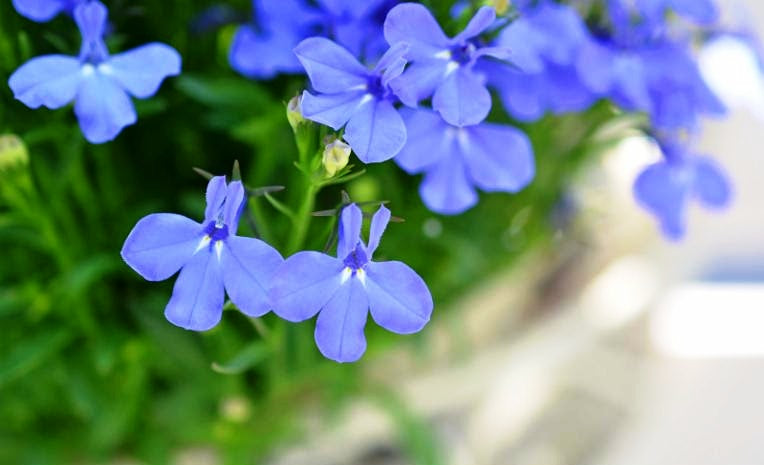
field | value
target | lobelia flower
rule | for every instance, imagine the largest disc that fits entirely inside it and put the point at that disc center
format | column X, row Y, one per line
column 212, row 260
column 700, row 11
column 666, row 188
column 99, row 84
column 455, row 160
column 264, row 48
column 343, row 290
column 350, row 95
column 44, row 10
column 443, row 67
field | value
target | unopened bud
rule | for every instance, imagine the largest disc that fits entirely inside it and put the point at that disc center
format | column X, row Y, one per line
column 13, row 152
column 336, row 156
column 294, row 114
column 501, row 6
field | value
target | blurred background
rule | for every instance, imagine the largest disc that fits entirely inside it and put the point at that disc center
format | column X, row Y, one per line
column 566, row 333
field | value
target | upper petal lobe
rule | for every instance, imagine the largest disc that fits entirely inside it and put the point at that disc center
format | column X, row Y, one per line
column 141, row 71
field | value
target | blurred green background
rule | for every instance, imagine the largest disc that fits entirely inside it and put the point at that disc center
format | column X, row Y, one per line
column 89, row 368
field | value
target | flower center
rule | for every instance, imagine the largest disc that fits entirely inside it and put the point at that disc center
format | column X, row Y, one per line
column 462, row 53
column 93, row 52
column 357, row 258
column 375, row 87
column 216, row 231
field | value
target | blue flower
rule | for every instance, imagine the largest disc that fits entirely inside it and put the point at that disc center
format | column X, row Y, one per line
column 99, row 84
column 350, row 93
column 443, row 67
column 44, row 10
column 343, row 290
column 666, row 188
column 455, row 160
column 700, row 11
column 210, row 257
column 264, row 49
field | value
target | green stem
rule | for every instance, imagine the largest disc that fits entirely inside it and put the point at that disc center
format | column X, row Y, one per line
column 302, row 218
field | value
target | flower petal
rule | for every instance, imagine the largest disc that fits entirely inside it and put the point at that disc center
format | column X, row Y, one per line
column 498, row 158
column 462, row 99
column 524, row 42
column 419, row 81
column 234, row 204
column 339, row 328
column 710, row 184
column 378, row 225
column 49, row 80
column 414, row 24
column 303, row 284
column 425, row 141
column 398, row 297
column 160, row 244
column 662, row 190
column 91, row 19
column 376, row 131
column 392, row 57
column 141, row 70
column 217, row 188
column 482, row 20
column 102, row 108
column 248, row 265
column 330, row 67
column 262, row 56
column 446, row 188
column 40, row 10
column 702, row 11
column 522, row 94
column 197, row 298
column 349, row 233
column 333, row 110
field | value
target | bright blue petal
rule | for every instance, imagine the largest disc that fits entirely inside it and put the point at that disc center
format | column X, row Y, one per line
column 262, row 56
column 41, row 10
column 710, row 184
column 339, row 328
column 524, row 43
column 160, row 244
column 662, row 190
column 392, row 57
column 414, row 24
column 563, row 32
column 248, row 265
column 331, row 68
column 595, row 66
column 91, row 19
column 50, row 81
column 217, row 188
column 522, row 94
column 378, row 225
column 564, row 90
column 446, row 188
column 234, row 203
column 141, row 70
column 303, row 284
column 498, row 158
column 376, row 131
column 349, row 233
column 419, row 81
column 482, row 20
column 702, row 11
column 462, row 99
column 333, row 110
column 398, row 297
column 425, row 141
column 198, row 295
column 102, row 108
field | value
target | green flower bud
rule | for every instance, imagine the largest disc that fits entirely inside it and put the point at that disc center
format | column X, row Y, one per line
column 294, row 115
column 13, row 152
column 336, row 156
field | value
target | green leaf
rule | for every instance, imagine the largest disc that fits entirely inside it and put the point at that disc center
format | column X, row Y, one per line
column 249, row 357
column 224, row 92
column 31, row 353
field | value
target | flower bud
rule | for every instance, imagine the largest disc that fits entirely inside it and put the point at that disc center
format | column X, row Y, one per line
column 294, row 115
column 501, row 6
column 336, row 156
column 13, row 152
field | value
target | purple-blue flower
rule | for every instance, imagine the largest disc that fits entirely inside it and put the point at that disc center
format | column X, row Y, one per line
column 264, row 48
column 443, row 67
column 44, row 10
column 700, row 11
column 99, row 84
column 666, row 188
column 348, row 94
column 343, row 290
column 211, row 258
column 455, row 160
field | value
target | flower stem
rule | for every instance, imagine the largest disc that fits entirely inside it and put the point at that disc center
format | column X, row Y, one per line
column 302, row 218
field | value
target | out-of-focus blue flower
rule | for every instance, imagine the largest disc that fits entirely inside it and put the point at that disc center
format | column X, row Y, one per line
column 44, row 10
column 99, row 84
column 544, row 42
column 212, row 260
column 264, row 48
column 700, row 11
column 666, row 188
column 455, row 160
column 443, row 67
column 350, row 95
column 343, row 290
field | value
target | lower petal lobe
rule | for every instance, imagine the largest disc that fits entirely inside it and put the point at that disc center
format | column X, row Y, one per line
column 197, row 298
column 462, row 99
column 399, row 299
column 446, row 188
column 103, row 108
column 339, row 328
column 376, row 131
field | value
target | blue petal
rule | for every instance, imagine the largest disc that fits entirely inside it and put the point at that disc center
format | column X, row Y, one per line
column 303, row 284
column 378, row 226
column 710, row 184
column 702, row 11
column 498, row 158
column 262, row 56
column 91, row 19
column 446, row 188
column 248, row 265
column 333, row 110
column 234, row 204
column 523, row 42
column 50, row 81
column 217, row 188
column 414, row 24
column 339, row 328
column 102, row 108
column 564, row 31
column 564, row 90
column 392, row 57
column 349, row 233
column 41, row 10
column 141, row 70
column 662, row 190
column 376, row 131
column 331, row 68
column 482, row 20
column 425, row 141
column 160, row 244
column 462, row 98
column 595, row 66
column 419, row 81
column 398, row 297
column 197, row 298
